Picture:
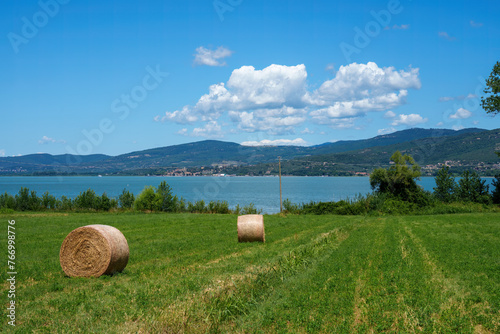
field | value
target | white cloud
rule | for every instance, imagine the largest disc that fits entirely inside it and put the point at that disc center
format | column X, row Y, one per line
column 330, row 67
column 461, row 114
column 209, row 57
column 458, row 98
column 440, row 124
column 2, row 153
column 445, row 35
column 409, row 120
column 389, row 114
column 277, row 142
column 210, row 130
column 307, row 131
column 475, row 24
column 276, row 99
column 475, row 122
column 48, row 140
column 386, row 131
column 361, row 81
column 458, row 127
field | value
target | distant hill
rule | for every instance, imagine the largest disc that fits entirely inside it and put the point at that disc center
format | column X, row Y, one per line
column 211, row 152
column 468, row 150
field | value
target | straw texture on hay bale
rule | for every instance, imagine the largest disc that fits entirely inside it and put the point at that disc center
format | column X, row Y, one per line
column 94, row 250
column 251, row 228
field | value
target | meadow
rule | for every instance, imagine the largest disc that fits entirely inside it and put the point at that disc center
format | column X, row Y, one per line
column 315, row 274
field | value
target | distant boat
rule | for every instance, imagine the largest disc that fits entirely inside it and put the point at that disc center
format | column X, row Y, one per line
column 99, row 175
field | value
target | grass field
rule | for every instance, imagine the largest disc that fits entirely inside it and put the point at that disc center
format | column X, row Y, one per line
column 315, row 274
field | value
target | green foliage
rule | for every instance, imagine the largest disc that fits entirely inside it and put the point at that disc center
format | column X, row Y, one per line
column 496, row 191
column 27, row 201
column 446, row 186
column 145, row 201
column 472, row 189
column 164, row 200
column 399, row 179
column 87, row 200
column 250, row 209
column 126, row 199
column 49, row 202
column 492, row 103
column 7, row 201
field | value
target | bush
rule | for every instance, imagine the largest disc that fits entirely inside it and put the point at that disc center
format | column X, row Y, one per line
column 49, row 201
column 86, row 200
column 146, row 199
column 164, row 200
column 446, row 187
column 27, row 201
column 7, row 201
column 126, row 199
column 496, row 191
column 472, row 189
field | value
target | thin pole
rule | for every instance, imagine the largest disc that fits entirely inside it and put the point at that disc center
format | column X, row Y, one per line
column 281, row 200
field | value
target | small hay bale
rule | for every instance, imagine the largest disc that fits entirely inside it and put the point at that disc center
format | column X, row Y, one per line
column 251, row 228
column 94, row 250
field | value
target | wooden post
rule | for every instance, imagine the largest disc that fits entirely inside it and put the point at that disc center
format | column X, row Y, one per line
column 281, row 200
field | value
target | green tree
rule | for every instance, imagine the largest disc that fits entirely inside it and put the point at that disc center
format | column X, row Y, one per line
column 400, row 179
column 146, row 199
column 164, row 200
column 445, row 185
column 126, row 199
column 496, row 191
column 472, row 189
column 492, row 103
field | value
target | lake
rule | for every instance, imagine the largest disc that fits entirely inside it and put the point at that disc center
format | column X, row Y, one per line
column 263, row 192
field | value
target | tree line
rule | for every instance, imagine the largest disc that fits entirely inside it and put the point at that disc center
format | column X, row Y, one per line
column 151, row 199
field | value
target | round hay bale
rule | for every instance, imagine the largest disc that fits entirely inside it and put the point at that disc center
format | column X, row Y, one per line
column 94, row 250
column 251, row 228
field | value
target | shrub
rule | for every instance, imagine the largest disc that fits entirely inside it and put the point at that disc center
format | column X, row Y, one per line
column 399, row 179
column 472, row 189
column 7, row 201
column 164, row 200
column 126, row 199
column 496, row 191
column 87, row 200
column 145, row 201
column 446, row 187
column 49, row 201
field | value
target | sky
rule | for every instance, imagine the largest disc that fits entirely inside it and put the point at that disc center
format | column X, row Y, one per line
column 113, row 77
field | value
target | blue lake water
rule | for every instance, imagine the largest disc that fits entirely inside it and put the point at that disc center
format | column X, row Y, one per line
column 263, row 192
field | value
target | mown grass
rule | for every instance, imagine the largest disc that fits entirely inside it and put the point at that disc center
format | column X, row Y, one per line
column 315, row 274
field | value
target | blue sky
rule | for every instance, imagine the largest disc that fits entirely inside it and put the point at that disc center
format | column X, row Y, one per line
column 90, row 77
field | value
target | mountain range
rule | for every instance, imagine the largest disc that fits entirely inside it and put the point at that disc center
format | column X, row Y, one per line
column 472, row 145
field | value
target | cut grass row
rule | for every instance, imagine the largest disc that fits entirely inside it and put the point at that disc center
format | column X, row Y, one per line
column 314, row 274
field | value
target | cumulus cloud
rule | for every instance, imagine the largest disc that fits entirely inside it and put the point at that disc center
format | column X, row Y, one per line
column 277, row 142
column 48, row 140
column 409, row 120
column 389, row 114
column 276, row 99
column 386, row 131
column 209, row 57
column 444, row 34
column 461, row 114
